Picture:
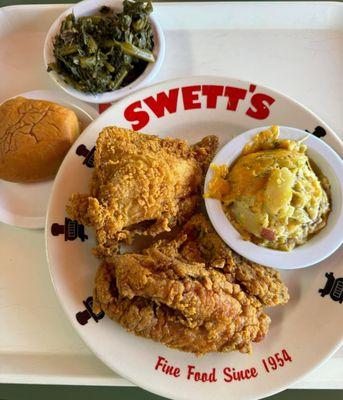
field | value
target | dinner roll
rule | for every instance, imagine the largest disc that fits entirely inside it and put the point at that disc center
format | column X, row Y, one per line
column 35, row 135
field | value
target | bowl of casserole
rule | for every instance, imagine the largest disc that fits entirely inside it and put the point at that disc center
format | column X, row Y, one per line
column 274, row 194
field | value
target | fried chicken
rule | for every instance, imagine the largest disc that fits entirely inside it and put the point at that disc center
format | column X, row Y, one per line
column 199, row 242
column 243, row 323
column 192, row 293
column 197, row 293
column 142, row 184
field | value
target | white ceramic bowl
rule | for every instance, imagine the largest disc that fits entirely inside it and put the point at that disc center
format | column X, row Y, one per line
column 319, row 246
column 89, row 7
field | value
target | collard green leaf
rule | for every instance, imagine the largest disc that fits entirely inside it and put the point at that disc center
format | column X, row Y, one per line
column 106, row 51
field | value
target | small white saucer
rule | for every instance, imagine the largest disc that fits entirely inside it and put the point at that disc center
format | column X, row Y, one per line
column 25, row 204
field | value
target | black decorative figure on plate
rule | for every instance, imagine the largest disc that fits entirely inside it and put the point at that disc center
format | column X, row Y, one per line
column 71, row 230
column 333, row 287
column 83, row 316
column 87, row 154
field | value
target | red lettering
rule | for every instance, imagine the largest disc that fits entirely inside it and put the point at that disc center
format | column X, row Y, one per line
column 279, row 359
column 234, row 95
column 260, row 106
column 212, row 376
column 272, row 362
column 167, row 369
column 265, row 365
column 190, row 97
column 212, row 92
column 227, row 373
column 140, row 118
column 275, row 361
column 201, row 376
column 163, row 102
column 230, row 374
column 190, row 372
column 286, row 356
column 160, row 362
column 103, row 107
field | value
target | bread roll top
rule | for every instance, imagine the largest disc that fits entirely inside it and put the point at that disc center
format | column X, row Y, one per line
column 35, row 136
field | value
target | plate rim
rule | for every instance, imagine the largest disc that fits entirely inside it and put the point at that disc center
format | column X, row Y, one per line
column 82, row 335
column 222, row 77
column 38, row 222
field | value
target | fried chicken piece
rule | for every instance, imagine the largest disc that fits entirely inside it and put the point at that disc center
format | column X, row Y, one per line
column 199, row 242
column 142, row 184
column 192, row 293
column 197, row 293
column 144, row 317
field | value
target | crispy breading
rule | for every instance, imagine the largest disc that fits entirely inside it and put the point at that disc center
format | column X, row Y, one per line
column 142, row 184
column 161, row 323
column 197, row 293
column 203, row 244
column 192, row 292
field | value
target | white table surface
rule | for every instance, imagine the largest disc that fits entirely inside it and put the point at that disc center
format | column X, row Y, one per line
column 297, row 50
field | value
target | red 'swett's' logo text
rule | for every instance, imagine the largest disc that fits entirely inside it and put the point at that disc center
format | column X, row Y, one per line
column 195, row 97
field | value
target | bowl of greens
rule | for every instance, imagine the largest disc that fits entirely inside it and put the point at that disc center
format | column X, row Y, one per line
column 100, row 51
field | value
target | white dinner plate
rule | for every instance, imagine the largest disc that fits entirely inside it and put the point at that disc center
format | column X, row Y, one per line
column 25, row 204
column 303, row 334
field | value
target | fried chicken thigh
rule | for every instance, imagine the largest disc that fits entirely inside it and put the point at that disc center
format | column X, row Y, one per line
column 192, row 293
column 142, row 184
